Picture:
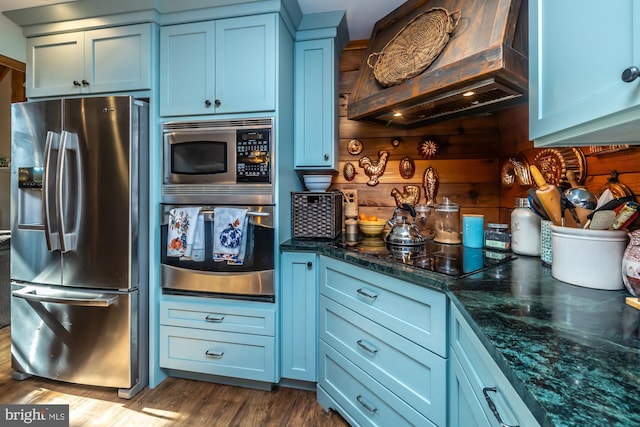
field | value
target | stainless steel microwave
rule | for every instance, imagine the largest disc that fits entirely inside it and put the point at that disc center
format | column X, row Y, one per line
column 221, row 161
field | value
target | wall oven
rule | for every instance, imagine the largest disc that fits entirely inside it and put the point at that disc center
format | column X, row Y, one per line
column 228, row 159
column 202, row 273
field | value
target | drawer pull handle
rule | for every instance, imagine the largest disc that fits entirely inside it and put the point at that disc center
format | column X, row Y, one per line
column 366, row 405
column 367, row 346
column 366, row 293
column 214, row 354
column 213, row 319
column 492, row 405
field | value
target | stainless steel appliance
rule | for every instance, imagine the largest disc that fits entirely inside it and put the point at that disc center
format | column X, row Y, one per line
column 79, row 252
column 252, row 280
column 232, row 159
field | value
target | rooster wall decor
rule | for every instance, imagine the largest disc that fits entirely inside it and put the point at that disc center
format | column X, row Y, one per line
column 374, row 169
column 410, row 195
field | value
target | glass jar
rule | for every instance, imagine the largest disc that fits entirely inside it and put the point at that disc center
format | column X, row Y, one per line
column 447, row 222
column 525, row 229
column 497, row 237
column 424, row 221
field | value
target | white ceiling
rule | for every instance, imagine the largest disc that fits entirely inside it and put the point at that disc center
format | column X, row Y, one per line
column 361, row 14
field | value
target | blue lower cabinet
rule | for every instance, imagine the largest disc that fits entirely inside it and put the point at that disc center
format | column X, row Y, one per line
column 477, row 380
column 382, row 348
column 229, row 338
column 299, row 313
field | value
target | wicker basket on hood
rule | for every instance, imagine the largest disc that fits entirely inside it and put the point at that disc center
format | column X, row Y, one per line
column 414, row 47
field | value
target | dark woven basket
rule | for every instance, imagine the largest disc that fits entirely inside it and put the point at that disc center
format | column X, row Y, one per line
column 414, row 47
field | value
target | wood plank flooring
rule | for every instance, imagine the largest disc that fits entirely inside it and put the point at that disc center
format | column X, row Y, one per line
column 175, row 402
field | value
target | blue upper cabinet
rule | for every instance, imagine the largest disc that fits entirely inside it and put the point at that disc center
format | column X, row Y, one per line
column 315, row 100
column 319, row 41
column 218, row 67
column 97, row 61
column 580, row 54
column 187, row 69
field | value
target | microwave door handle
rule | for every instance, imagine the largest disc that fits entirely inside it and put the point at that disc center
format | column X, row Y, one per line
column 69, row 143
column 51, row 234
column 78, row 299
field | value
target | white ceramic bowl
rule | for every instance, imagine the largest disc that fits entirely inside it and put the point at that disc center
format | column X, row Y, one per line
column 589, row 258
column 317, row 183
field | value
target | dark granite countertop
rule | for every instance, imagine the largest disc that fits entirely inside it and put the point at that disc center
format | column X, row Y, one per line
column 572, row 353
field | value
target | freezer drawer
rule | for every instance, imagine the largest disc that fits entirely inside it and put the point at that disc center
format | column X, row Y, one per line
column 79, row 336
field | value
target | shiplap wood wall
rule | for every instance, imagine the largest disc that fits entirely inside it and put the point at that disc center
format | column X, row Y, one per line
column 472, row 152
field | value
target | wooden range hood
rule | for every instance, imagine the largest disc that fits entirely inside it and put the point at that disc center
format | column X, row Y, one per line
column 486, row 55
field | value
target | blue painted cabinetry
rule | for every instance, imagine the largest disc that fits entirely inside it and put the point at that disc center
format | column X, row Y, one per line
column 475, row 380
column 228, row 338
column 299, row 311
column 88, row 62
column 315, row 101
column 319, row 41
column 217, row 67
column 578, row 51
column 382, row 349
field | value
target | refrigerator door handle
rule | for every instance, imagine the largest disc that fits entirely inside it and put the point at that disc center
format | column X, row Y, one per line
column 67, row 298
column 68, row 144
column 51, row 230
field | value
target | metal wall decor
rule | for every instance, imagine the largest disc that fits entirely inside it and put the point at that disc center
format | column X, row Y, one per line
column 430, row 184
column 354, row 146
column 349, row 171
column 407, row 168
column 410, row 195
column 374, row 169
column 428, row 149
column 515, row 169
column 554, row 163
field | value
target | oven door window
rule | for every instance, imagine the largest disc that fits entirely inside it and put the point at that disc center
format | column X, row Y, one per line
column 199, row 158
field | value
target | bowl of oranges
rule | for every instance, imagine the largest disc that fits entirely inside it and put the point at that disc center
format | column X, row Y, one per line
column 370, row 225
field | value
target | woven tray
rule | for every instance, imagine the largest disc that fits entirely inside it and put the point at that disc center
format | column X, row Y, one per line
column 414, row 47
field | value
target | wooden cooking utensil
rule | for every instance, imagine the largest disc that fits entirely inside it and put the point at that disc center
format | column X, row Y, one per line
column 549, row 196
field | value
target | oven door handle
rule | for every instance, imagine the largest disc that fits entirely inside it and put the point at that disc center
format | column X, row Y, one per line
column 250, row 213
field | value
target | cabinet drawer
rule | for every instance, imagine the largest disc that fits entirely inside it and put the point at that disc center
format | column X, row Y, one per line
column 413, row 373
column 482, row 372
column 218, row 316
column 218, row 353
column 364, row 399
column 415, row 312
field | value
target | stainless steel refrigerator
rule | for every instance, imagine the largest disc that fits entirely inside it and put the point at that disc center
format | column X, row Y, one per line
column 79, row 242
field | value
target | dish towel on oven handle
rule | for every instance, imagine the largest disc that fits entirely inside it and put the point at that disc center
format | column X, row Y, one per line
column 197, row 254
column 230, row 235
column 182, row 230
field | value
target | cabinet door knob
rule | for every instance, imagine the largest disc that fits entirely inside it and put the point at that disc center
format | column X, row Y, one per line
column 630, row 74
column 217, row 102
column 326, row 157
column 309, row 264
column 76, row 83
column 85, row 83
column 207, row 103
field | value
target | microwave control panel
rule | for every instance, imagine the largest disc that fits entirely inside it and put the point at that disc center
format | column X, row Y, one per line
column 253, row 155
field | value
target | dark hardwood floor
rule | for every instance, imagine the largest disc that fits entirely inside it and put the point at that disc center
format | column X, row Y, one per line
column 175, row 402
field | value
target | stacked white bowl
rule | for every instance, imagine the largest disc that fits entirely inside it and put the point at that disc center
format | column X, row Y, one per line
column 317, row 183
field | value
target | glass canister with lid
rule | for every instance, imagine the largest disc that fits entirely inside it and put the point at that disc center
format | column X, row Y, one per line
column 447, row 222
column 424, row 220
column 525, row 229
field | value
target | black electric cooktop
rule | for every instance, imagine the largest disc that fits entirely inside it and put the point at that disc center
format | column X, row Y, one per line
column 450, row 260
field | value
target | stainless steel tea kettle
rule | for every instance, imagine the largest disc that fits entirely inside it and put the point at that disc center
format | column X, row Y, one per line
column 404, row 238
